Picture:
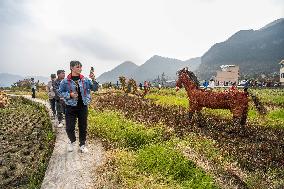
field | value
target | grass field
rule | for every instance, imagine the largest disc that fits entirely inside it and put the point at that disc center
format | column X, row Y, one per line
column 151, row 143
column 145, row 134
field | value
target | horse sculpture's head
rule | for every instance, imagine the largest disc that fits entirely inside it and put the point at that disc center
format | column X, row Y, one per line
column 186, row 77
column 179, row 81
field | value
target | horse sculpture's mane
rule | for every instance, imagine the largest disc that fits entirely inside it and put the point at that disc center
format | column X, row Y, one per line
column 191, row 76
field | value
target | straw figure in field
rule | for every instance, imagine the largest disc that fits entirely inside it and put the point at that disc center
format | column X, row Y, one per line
column 122, row 80
column 133, row 86
column 4, row 100
column 236, row 101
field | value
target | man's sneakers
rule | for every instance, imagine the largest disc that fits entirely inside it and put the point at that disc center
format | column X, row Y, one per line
column 70, row 146
column 83, row 149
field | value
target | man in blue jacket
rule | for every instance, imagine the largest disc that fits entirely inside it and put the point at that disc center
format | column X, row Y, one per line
column 76, row 91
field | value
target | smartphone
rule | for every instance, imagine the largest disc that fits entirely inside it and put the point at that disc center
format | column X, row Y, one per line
column 92, row 71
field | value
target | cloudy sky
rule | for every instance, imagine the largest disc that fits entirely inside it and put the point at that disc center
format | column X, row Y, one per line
column 37, row 37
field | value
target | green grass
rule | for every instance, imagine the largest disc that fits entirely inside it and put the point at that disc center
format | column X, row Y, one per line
column 275, row 118
column 157, row 166
column 272, row 96
column 170, row 91
column 113, row 127
column 169, row 100
column 128, row 175
column 165, row 160
column 143, row 159
column 204, row 146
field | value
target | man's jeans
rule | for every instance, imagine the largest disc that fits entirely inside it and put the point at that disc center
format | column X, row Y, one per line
column 52, row 105
column 33, row 93
column 72, row 113
column 60, row 109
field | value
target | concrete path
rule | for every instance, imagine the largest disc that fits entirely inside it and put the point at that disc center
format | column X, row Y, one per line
column 71, row 170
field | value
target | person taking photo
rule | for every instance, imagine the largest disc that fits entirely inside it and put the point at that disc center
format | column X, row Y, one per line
column 76, row 91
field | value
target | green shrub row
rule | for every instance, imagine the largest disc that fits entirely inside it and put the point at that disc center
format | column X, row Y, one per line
column 147, row 161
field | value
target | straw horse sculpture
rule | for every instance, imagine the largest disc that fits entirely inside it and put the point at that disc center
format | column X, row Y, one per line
column 236, row 101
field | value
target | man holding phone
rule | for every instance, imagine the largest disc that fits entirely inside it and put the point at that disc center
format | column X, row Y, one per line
column 76, row 92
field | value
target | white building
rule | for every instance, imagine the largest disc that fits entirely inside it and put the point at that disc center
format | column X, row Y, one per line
column 228, row 74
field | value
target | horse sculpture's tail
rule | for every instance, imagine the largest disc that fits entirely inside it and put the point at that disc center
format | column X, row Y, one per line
column 259, row 106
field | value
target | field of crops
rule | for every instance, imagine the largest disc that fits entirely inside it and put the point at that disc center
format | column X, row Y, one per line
column 151, row 143
column 27, row 142
column 157, row 126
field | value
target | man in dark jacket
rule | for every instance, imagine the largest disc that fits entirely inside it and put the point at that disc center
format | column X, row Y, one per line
column 246, row 85
column 33, row 86
column 60, row 105
column 51, row 94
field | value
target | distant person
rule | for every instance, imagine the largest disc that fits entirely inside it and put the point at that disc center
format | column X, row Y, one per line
column 51, row 93
column 205, row 84
column 117, row 85
column 145, row 85
column 33, row 86
column 141, row 86
column 149, row 85
column 159, row 86
column 59, row 101
column 246, row 85
column 76, row 90
column 211, row 84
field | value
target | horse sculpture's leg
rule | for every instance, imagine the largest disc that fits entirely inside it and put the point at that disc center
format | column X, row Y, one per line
column 200, row 121
column 244, row 117
column 237, row 116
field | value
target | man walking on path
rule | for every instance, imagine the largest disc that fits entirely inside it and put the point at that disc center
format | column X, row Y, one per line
column 76, row 92
column 33, row 86
column 51, row 93
column 60, row 105
column 246, row 85
column 211, row 85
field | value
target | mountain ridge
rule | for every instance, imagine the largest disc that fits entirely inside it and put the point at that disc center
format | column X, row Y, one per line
column 254, row 51
column 8, row 79
column 154, row 67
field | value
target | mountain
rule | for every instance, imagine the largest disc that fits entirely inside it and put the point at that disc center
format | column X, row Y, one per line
column 273, row 23
column 6, row 79
column 255, row 51
column 151, row 69
column 125, row 69
column 157, row 65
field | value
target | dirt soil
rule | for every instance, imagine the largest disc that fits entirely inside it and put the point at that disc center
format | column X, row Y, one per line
column 26, row 143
